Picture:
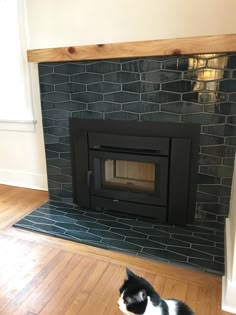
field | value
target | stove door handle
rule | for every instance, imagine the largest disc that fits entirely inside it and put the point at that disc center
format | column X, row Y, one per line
column 89, row 177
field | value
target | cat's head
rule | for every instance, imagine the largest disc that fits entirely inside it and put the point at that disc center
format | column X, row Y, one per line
column 135, row 294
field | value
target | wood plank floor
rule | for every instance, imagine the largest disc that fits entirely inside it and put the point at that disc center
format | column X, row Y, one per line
column 48, row 276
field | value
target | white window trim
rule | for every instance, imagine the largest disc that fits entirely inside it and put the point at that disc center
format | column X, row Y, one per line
column 28, row 122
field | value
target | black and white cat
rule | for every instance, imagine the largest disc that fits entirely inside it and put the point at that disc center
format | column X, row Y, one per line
column 138, row 297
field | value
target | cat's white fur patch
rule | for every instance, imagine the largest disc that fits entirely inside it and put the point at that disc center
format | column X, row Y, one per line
column 150, row 309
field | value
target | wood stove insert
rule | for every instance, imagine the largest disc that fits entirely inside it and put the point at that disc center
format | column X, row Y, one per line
column 144, row 168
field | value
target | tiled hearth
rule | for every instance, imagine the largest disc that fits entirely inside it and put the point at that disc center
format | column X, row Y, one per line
column 194, row 247
column 156, row 89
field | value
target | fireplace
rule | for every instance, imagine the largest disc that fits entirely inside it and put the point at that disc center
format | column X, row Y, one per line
column 143, row 168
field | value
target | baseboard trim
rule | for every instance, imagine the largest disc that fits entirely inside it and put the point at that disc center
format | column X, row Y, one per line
column 23, row 179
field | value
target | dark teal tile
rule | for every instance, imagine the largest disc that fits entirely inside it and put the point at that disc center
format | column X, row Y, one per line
column 71, row 106
column 144, row 242
column 177, row 63
column 70, row 87
column 203, row 118
column 58, row 163
column 56, row 113
column 169, row 241
column 60, row 178
column 64, row 123
column 69, row 68
column 70, row 226
column 151, row 231
column 178, row 86
column 219, row 150
column 218, row 130
column 209, row 160
column 161, row 117
column 128, row 233
column 217, row 190
column 121, row 245
column 182, row 107
column 121, row 97
column 57, row 131
column 103, row 67
column 55, row 97
column 231, row 64
column 208, row 264
column 131, row 66
column 146, row 65
column 114, row 224
column 227, row 108
column 106, row 234
column 141, row 87
column 209, row 249
column 231, row 119
column 206, row 177
column 80, row 235
column 45, row 88
column 210, row 140
column 164, row 254
column 121, row 116
column 49, row 122
column 58, row 147
column 217, row 171
column 227, row 182
column 160, row 97
column 45, row 69
column 204, row 197
column 232, row 97
column 104, row 107
column 87, row 114
column 228, row 85
column 47, row 105
column 190, row 252
column 161, row 76
column 228, row 161
column 104, row 87
column 86, row 78
column 86, row 97
column 192, row 239
column 141, row 107
column 93, row 225
column 121, row 77
column 230, row 130
column 54, row 78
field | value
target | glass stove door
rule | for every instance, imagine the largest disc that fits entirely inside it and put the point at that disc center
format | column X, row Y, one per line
column 129, row 177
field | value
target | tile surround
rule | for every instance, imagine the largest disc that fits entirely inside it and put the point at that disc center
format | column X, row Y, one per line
column 149, row 89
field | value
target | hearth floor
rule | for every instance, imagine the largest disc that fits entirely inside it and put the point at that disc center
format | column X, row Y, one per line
column 191, row 246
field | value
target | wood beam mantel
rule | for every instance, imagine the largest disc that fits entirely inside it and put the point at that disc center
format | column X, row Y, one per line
column 178, row 46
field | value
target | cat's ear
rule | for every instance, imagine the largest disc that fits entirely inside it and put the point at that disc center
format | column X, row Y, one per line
column 130, row 273
column 141, row 296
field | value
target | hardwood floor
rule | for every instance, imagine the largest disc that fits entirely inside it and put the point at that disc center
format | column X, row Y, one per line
column 48, row 276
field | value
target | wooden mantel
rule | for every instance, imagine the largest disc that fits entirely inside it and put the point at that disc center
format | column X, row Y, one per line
column 178, row 46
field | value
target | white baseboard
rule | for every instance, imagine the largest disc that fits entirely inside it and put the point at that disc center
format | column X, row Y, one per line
column 23, row 179
column 228, row 284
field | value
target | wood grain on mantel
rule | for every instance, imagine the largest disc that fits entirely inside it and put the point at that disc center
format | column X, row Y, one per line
column 178, row 46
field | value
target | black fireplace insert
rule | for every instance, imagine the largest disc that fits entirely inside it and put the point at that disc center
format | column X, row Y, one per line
column 144, row 168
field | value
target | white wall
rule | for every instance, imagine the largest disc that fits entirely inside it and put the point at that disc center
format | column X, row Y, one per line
column 22, row 158
column 56, row 23
column 229, row 280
